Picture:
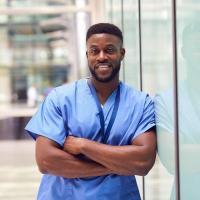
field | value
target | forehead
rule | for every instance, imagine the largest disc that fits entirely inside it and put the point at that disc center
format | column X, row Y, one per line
column 103, row 39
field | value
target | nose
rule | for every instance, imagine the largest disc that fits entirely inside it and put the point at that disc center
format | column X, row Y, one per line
column 102, row 56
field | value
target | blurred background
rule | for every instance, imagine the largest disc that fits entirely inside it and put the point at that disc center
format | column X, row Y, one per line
column 42, row 45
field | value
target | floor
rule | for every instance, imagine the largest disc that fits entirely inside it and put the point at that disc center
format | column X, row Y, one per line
column 19, row 176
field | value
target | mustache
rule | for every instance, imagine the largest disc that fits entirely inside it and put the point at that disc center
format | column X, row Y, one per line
column 103, row 63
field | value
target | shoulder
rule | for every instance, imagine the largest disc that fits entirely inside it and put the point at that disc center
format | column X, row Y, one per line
column 68, row 89
column 132, row 94
column 67, row 93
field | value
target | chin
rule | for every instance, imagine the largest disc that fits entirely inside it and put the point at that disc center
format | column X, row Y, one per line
column 104, row 80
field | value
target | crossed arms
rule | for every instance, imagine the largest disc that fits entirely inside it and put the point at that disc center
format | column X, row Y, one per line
column 98, row 159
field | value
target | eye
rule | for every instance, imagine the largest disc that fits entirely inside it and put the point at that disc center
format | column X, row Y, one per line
column 110, row 50
column 93, row 51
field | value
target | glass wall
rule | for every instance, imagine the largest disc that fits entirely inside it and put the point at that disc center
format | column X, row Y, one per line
column 188, row 28
column 177, row 124
column 157, row 75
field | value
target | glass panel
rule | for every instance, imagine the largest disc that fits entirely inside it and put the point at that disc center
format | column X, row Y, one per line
column 188, row 15
column 131, row 61
column 158, row 81
column 108, row 8
column 116, row 13
column 37, row 52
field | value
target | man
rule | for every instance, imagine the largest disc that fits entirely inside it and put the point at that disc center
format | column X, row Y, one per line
column 93, row 135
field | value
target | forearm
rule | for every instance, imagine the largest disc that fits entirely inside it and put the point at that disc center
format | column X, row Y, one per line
column 55, row 161
column 63, row 164
column 125, row 160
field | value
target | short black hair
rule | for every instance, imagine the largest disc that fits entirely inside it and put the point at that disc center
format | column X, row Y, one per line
column 104, row 28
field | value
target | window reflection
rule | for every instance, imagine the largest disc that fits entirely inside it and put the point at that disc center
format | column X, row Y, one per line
column 189, row 117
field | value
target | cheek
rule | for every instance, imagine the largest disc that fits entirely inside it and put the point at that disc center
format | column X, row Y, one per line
column 120, row 57
column 117, row 59
column 114, row 58
column 90, row 61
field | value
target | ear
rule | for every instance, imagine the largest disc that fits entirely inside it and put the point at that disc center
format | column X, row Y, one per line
column 86, row 54
column 122, row 52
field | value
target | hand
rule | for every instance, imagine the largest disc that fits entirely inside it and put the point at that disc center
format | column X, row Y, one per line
column 73, row 145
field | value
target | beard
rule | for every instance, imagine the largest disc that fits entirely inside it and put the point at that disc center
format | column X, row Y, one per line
column 115, row 71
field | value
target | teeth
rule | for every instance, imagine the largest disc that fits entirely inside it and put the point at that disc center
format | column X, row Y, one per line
column 103, row 66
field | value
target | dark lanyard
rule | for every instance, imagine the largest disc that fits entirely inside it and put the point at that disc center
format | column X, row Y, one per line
column 101, row 115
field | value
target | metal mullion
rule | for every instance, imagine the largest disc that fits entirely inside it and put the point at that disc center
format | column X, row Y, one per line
column 176, row 109
column 140, row 69
column 140, row 43
column 122, row 25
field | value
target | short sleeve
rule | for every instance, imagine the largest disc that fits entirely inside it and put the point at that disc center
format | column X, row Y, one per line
column 147, row 119
column 48, row 120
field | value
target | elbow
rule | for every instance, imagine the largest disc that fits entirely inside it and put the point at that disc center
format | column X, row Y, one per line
column 147, row 164
column 46, row 163
column 47, row 166
column 42, row 167
column 144, row 167
column 143, row 171
column 42, row 164
column 42, row 170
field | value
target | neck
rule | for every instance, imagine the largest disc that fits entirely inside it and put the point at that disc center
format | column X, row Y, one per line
column 104, row 90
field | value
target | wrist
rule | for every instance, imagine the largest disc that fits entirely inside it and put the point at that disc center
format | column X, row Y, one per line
column 82, row 143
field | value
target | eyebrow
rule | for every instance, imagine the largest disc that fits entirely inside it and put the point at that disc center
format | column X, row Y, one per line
column 92, row 46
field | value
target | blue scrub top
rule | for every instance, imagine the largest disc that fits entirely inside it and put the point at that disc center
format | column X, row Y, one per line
column 71, row 109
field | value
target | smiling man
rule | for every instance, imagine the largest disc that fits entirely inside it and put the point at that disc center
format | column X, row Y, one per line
column 104, row 55
column 93, row 135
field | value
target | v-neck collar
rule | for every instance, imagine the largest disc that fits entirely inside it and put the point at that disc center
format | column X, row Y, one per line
column 109, row 103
